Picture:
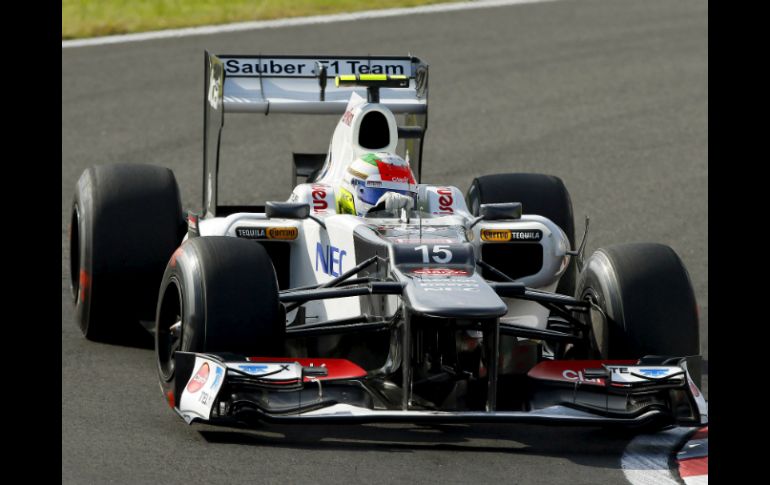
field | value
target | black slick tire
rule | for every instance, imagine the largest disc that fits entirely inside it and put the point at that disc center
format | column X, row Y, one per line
column 125, row 223
column 645, row 293
column 222, row 295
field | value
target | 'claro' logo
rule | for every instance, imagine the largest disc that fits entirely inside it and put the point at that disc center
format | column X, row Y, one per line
column 496, row 235
column 199, row 379
column 282, row 233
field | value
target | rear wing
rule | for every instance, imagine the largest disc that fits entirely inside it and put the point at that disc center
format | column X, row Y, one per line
column 267, row 84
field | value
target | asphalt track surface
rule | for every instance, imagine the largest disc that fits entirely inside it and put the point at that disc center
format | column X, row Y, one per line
column 612, row 96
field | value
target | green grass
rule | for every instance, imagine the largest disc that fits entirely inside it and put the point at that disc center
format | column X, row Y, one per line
column 90, row 18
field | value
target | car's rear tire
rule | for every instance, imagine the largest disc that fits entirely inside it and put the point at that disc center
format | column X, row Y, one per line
column 544, row 195
column 645, row 293
column 126, row 221
column 224, row 292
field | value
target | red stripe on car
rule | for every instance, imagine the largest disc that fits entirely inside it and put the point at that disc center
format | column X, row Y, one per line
column 572, row 370
column 336, row 368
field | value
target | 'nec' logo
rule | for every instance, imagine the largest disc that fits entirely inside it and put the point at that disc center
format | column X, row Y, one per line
column 330, row 258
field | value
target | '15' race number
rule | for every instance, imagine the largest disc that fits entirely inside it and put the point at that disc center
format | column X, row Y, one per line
column 440, row 253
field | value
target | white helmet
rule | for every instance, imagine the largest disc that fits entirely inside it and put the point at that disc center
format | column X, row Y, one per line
column 368, row 178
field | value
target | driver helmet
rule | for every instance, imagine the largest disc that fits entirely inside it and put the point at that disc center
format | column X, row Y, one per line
column 371, row 176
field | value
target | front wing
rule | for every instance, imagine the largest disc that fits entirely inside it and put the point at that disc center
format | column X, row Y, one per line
column 231, row 390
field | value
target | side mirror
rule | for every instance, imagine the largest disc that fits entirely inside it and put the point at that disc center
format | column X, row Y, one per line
column 494, row 212
column 505, row 210
column 287, row 210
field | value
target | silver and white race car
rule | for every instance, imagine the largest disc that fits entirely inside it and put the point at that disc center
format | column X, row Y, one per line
column 368, row 296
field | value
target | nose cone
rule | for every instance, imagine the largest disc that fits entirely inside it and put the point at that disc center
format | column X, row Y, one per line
column 452, row 296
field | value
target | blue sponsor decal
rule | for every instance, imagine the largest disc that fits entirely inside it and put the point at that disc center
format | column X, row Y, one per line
column 653, row 372
column 330, row 259
column 217, row 377
column 253, row 368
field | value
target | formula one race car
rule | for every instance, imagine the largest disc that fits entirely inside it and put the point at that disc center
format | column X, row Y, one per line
column 369, row 296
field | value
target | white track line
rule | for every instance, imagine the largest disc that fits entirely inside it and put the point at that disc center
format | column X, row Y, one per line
column 646, row 460
column 697, row 480
column 293, row 22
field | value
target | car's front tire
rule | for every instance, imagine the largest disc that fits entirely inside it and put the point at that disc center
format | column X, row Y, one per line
column 644, row 291
column 218, row 294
